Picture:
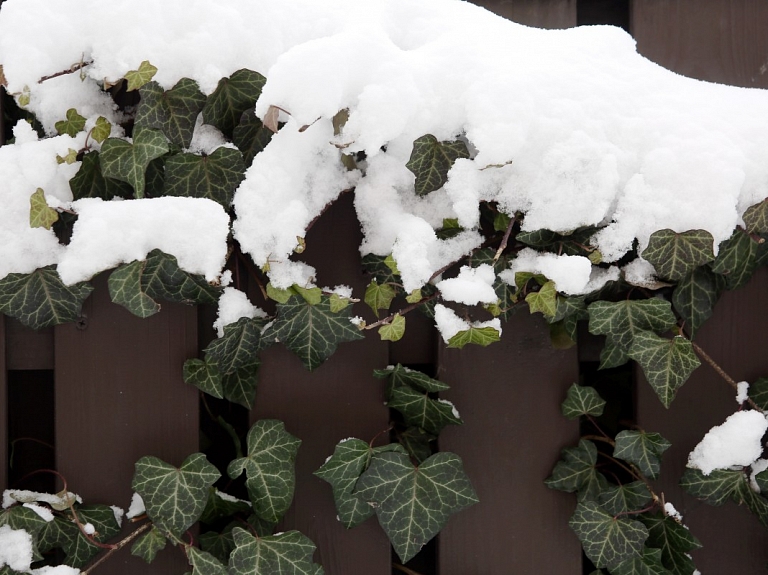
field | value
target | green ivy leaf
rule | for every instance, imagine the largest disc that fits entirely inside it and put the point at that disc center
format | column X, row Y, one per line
column 69, row 159
column 612, row 355
column 73, row 125
column 674, row 540
column 41, row 215
column 649, row 563
column 174, row 497
column 220, row 545
column 269, row 467
column 312, row 296
column 215, row 177
column 430, row 161
column 280, row 295
column 582, row 400
column 544, row 300
column 289, row 553
column 137, row 78
column 233, row 96
column 379, row 296
column 89, row 182
column 18, row 517
column 419, row 410
column 101, row 130
column 695, row 296
column 173, row 112
column 221, row 505
column 577, row 471
column 41, row 299
column 204, row 563
column 715, row 488
column 149, row 545
column 239, row 346
column 204, row 375
column 674, row 255
column 400, row 376
column 414, row 503
column 736, row 259
column 619, row 499
column 666, row 363
column 64, row 534
column 239, row 386
column 393, row 331
column 642, row 449
column 621, row 321
column 382, row 268
column 137, row 285
column 483, row 336
column 128, row 161
column 756, row 218
column 312, row 332
column 251, row 136
column 607, row 540
column 414, row 297
column 338, row 303
column 758, row 392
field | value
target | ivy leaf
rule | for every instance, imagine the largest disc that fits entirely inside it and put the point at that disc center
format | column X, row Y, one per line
column 220, row 545
column 251, row 136
column 73, row 125
column 204, row 375
column 612, row 355
column 338, row 302
column 483, row 336
column 173, row 112
column 393, row 331
column 18, row 517
column 89, row 182
column 232, row 97
column 239, row 346
column 312, row 332
column 674, row 255
column 695, row 296
column 312, row 296
column 285, row 554
column 643, row 449
column 649, row 563
column 379, row 296
column 621, row 321
column 667, row 364
column 619, row 499
column 174, row 498
column 149, row 544
column 41, row 299
column 137, row 78
column 269, row 467
column 41, row 215
column 758, row 392
column 239, row 386
column 215, row 177
column 418, row 409
column 400, row 376
column 137, row 285
column 607, row 540
column 576, row 471
column 414, row 503
column 101, row 130
column 756, row 218
column 222, row 505
column 69, row 159
column 430, row 161
column 64, row 533
column 582, row 400
column 544, row 300
column 715, row 488
column 736, row 259
column 381, row 268
column 204, row 563
column 674, row 540
column 417, row 443
column 128, row 161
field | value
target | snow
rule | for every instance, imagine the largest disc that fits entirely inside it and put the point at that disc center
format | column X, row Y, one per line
column 742, row 392
column 757, row 467
column 670, row 511
column 230, row 498
column 471, row 286
column 449, row 324
column 15, row 548
column 453, row 407
column 45, row 513
column 57, row 570
column 89, row 529
column 736, row 442
column 119, row 514
column 136, row 507
column 233, row 305
column 58, row 501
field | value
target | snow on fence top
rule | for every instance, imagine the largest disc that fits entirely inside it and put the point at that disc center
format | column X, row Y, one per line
column 571, row 127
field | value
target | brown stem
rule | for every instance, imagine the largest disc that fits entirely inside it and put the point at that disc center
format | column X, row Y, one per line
column 633, row 471
column 607, row 440
column 404, row 569
column 380, row 433
column 504, row 240
column 403, row 311
column 117, row 546
column 722, row 373
column 651, row 506
column 74, row 68
column 593, row 421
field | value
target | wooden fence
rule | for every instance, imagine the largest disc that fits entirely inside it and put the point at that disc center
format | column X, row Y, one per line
column 107, row 390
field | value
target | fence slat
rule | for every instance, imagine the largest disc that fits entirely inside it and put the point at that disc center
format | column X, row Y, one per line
column 119, row 396
column 539, row 13
column 509, row 397
column 338, row 400
column 3, row 408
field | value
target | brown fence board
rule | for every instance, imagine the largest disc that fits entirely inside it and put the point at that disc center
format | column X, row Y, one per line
column 733, row 539
column 539, row 13
column 340, row 399
column 119, row 396
column 509, row 397
column 27, row 348
column 3, row 409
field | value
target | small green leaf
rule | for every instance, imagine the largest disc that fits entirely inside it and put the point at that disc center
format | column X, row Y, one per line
column 41, row 215
column 619, row 499
column 607, row 540
column 419, row 410
column 576, row 471
column 239, row 386
column 390, row 262
column 501, row 222
column 173, row 112
column 431, row 160
column 414, row 297
column 417, row 443
column 338, row 303
column 239, row 346
column 393, row 331
column 220, row 545
column 402, row 376
column 289, row 553
column 310, row 295
column 174, row 498
column 674, row 540
column 756, row 218
column 101, row 130
column 204, row 563
column 214, row 176
column 643, row 449
column 269, row 467
column 149, row 544
column 674, row 255
column 695, row 297
column 137, row 78
column 221, row 505
column 128, row 161
column 89, row 182
column 204, row 375
column 233, row 96
column 667, row 364
column 414, row 503
column 379, row 296
column 69, row 159
column 73, row 125
column 251, row 136
column 582, row 400
column 280, row 295
column 612, row 355
column 736, row 259
column 595, row 257
column 544, row 300
column 482, row 336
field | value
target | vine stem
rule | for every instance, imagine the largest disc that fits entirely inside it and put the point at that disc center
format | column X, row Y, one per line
column 633, row 471
column 380, row 433
column 404, row 569
column 504, row 240
column 403, row 311
column 722, row 373
column 639, row 511
column 117, row 546
column 74, row 68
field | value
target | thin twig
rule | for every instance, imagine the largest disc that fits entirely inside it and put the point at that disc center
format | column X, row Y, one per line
column 74, row 68
column 404, row 569
column 722, row 373
column 403, row 311
column 133, row 535
column 504, row 240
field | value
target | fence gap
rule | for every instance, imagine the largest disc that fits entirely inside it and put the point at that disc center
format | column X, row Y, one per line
column 612, row 12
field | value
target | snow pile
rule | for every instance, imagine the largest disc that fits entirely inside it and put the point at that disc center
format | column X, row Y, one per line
column 15, row 548
column 58, row 501
column 233, row 305
column 471, row 286
column 736, row 442
column 449, row 324
column 742, row 392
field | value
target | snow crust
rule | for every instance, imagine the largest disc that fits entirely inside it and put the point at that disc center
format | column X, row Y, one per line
column 736, row 442
column 43, row 512
column 136, row 507
column 15, row 548
column 471, row 286
column 233, row 305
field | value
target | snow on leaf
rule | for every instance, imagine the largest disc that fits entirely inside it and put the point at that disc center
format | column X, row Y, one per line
column 618, row 499
column 576, row 471
column 101, row 130
column 582, row 400
column 174, row 497
column 63, row 533
column 239, row 346
column 430, row 161
column 239, row 386
column 736, row 259
column 483, row 336
column 89, row 182
column 674, row 540
column 18, row 517
column 676, row 254
column 149, row 544
column 312, row 332
column 233, row 96
column 715, row 488
column 74, row 124
column 607, row 540
column 544, row 300
column 251, row 136
column 667, row 364
column 269, row 467
column 215, row 176
column 393, row 331
column 204, row 375
column 41, row 215
column 420, row 410
column 414, row 503
column 695, row 296
column 127, row 161
column 642, row 449
column 402, row 376
column 289, row 553
column 756, row 218
column 649, row 563
column 137, row 78
column 621, row 321
column 173, row 112
column 379, row 296
column 41, row 299
column 204, row 563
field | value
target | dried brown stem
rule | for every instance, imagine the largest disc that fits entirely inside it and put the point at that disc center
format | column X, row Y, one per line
column 74, row 68
column 403, row 311
column 504, row 240
column 119, row 545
